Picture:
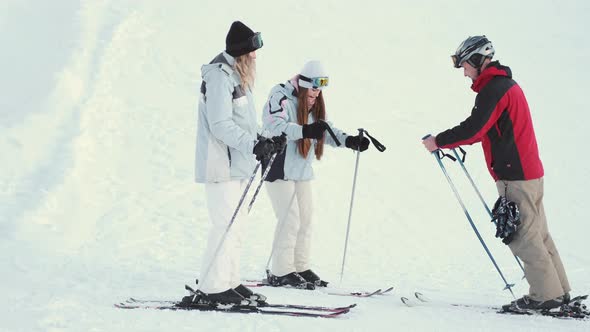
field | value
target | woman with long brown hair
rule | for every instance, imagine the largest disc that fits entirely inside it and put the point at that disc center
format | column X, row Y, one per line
column 297, row 109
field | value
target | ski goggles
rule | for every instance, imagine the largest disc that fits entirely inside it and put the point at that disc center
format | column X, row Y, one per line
column 313, row 83
column 456, row 61
column 256, row 41
column 253, row 43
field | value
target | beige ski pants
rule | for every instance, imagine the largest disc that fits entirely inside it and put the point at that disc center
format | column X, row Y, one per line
column 532, row 242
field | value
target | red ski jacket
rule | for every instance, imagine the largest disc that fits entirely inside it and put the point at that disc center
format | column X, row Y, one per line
column 501, row 121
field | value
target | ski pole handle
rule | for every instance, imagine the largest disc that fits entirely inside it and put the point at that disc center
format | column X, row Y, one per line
column 435, row 151
column 361, row 135
column 438, row 152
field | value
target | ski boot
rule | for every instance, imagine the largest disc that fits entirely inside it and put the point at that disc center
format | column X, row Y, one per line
column 527, row 303
column 292, row 279
column 310, row 276
column 247, row 293
column 226, row 298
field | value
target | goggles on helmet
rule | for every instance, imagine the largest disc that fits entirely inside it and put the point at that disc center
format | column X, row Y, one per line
column 464, row 54
column 313, row 83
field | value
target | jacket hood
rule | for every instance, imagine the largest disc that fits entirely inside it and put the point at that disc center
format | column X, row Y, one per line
column 221, row 59
column 492, row 70
column 288, row 89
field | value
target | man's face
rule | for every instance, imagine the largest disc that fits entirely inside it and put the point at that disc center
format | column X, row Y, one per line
column 469, row 71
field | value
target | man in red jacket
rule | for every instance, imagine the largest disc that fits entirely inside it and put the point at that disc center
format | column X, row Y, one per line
column 502, row 122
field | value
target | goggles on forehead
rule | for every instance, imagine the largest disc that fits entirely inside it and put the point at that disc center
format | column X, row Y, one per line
column 256, row 41
column 253, row 43
column 313, row 83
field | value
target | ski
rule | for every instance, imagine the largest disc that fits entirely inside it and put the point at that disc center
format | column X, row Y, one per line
column 264, row 283
column 134, row 301
column 410, row 303
column 361, row 294
column 574, row 309
column 235, row 309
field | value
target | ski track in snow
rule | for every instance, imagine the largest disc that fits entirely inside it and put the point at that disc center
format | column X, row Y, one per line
column 98, row 205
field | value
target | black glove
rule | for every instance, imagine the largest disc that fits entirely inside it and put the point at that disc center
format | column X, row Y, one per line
column 280, row 142
column 266, row 147
column 263, row 149
column 355, row 143
column 314, row 130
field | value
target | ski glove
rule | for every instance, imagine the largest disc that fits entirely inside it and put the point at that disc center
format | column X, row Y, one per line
column 280, row 142
column 506, row 216
column 355, row 143
column 314, row 130
column 266, row 147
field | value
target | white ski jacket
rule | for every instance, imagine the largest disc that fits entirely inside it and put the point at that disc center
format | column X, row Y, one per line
column 226, row 127
column 280, row 115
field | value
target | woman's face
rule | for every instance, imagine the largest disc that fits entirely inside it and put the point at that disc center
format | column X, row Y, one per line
column 312, row 95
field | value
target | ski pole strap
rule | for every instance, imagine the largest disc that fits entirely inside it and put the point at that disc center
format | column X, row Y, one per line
column 464, row 154
column 375, row 142
column 331, row 132
column 440, row 154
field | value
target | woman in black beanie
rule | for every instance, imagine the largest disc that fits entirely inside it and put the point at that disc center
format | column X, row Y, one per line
column 226, row 152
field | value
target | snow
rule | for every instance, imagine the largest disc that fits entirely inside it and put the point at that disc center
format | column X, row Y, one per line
column 97, row 116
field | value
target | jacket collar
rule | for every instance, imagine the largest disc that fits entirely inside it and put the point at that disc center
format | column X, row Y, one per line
column 492, row 70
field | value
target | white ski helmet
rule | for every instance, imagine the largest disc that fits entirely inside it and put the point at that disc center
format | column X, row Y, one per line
column 473, row 50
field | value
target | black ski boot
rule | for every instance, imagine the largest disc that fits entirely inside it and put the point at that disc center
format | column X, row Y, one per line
column 249, row 294
column 192, row 300
column 292, row 279
column 310, row 276
column 526, row 303
column 228, row 297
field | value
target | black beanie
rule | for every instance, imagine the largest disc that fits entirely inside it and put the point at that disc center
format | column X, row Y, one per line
column 237, row 38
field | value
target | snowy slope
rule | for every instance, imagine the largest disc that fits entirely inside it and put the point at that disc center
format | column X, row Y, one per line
column 97, row 201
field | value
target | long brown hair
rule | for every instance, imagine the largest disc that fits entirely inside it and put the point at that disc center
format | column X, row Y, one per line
column 318, row 111
column 246, row 67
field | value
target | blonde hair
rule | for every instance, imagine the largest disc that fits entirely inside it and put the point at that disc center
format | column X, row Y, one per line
column 318, row 111
column 246, row 67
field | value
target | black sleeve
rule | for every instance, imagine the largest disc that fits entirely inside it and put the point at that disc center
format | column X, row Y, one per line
column 471, row 130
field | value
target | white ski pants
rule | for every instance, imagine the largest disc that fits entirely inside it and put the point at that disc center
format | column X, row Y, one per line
column 292, row 205
column 221, row 271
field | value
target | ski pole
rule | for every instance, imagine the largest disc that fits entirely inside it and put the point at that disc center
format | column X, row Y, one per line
column 358, row 153
column 461, row 162
column 442, row 167
column 233, row 218
column 272, row 159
